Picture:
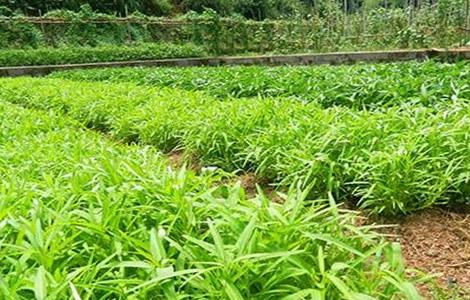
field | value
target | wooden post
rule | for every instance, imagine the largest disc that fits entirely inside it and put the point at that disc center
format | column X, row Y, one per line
column 329, row 21
column 195, row 38
column 364, row 22
column 128, row 25
column 410, row 15
column 303, row 34
column 43, row 30
column 345, row 24
column 245, row 43
column 228, row 27
column 312, row 28
column 291, row 38
column 467, row 18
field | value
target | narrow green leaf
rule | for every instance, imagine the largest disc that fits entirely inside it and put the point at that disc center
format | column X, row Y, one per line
column 311, row 294
column 340, row 285
column 40, row 284
column 218, row 242
column 75, row 294
column 232, row 292
column 157, row 248
column 244, row 239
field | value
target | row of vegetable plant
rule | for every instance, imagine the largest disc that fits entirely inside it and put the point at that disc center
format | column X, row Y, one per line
column 390, row 160
column 85, row 218
column 356, row 86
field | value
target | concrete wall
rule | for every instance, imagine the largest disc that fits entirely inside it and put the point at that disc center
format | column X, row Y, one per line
column 270, row 60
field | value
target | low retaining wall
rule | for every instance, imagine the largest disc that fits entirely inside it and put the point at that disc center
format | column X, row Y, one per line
column 271, row 60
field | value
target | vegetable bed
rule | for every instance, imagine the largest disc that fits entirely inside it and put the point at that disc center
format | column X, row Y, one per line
column 85, row 218
column 392, row 160
column 358, row 86
column 94, row 208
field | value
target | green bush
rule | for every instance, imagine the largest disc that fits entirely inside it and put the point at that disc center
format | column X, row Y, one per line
column 51, row 56
column 18, row 34
column 325, row 29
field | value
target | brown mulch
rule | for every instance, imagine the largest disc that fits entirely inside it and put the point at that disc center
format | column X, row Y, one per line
column 438, row 241
column 178, row 159
column 250, row 181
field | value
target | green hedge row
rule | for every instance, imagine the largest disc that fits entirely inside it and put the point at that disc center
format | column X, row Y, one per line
column 69, row 55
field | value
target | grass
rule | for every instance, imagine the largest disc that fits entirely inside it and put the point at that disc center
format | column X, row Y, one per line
column 390, row 161
column 85, row 218
column 354, row 86
column 108, row 53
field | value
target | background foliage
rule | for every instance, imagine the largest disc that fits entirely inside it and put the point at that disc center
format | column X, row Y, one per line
column 254, row 9
column 328, row 29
